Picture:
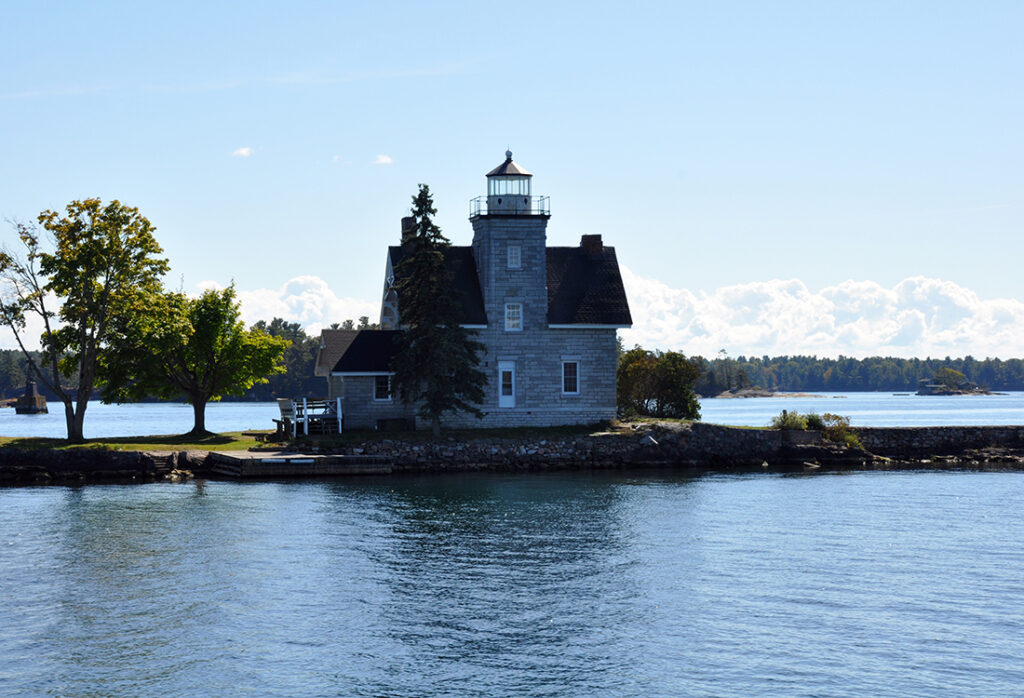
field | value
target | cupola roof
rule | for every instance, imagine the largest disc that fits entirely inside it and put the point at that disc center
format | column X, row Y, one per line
column 508, row 168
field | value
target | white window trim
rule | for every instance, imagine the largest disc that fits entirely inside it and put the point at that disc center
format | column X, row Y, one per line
column 515, row 261
column 509, row 307
column 390, row 396
column 506, row 401
column 562, row 377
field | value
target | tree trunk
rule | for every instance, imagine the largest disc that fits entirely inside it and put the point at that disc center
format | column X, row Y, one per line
column 75, row 428
column 71, row 421
column 199, row 416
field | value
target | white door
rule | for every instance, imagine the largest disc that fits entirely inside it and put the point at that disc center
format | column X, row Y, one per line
column 506, row 384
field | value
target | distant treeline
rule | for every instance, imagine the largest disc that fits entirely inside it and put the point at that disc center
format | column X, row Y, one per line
column 782, row 373
column 810, row 373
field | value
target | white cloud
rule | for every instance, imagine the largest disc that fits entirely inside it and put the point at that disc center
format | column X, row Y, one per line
column 242, row 152
column 917, row 317
column 306, row 300
column 383, row 160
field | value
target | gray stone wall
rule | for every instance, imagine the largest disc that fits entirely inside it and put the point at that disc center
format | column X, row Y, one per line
column 538, row 354
column 358, row 408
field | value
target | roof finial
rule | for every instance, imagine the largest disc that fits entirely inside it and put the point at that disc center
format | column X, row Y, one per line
column 508, row 153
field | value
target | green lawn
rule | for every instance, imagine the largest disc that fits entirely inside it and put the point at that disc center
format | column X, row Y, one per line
column 228, row 441
column 242, row 441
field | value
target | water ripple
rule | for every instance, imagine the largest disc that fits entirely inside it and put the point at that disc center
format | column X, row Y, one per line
column 567, row 584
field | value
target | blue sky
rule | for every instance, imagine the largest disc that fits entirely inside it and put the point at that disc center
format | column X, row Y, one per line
column 856, row 164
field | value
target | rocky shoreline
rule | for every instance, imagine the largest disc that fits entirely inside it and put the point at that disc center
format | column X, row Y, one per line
column 689, row 447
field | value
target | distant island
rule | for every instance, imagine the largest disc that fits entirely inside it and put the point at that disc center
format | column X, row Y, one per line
column 758, row 391
column 948, row 381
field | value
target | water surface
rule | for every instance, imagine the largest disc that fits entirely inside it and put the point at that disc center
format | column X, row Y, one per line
column 864, row 409
column 540, row 584
column 874, row 409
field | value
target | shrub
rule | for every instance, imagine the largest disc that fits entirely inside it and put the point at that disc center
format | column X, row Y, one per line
column 837, row 428
column 853, row 441
column 789, row 420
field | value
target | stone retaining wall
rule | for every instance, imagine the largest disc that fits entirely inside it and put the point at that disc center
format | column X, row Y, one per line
column 696, row 446
column 916, row 442
column 80, row 465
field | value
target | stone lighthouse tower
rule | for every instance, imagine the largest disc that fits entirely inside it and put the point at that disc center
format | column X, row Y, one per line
column 509, row 238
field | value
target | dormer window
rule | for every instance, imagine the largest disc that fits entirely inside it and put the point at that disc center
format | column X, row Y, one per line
column 515, row 257
column 513, row 317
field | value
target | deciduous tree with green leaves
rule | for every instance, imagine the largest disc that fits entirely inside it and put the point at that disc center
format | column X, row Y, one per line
column 437, row 365
column 103, row 255
column 950, row 378
column 173, row 346
column 657, row 384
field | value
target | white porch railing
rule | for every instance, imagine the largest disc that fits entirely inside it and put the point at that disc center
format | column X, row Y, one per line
column 316, row 416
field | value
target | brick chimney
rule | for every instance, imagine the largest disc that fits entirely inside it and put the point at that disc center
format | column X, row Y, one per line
column 407, row 224
column 592, row 245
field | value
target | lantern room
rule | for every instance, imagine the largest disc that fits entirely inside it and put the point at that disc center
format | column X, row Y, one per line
column 509, row 193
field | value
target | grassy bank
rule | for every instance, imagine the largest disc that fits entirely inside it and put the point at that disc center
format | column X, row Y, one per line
column 242, row 441
column 228, row 441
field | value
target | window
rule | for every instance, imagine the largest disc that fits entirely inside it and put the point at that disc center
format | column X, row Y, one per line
column 513, row 317
column 382, row 387
column 515, row 257
column 571, row 377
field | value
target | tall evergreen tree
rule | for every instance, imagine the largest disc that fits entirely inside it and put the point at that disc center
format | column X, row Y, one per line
column 437, row 365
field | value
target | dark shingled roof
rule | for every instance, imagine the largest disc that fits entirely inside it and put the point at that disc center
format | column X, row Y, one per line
column 367, row 351
column 333, row 344
column 585, row 289
column 462, row 272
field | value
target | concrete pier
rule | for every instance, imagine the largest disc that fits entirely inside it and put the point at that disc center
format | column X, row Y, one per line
column 244, row 465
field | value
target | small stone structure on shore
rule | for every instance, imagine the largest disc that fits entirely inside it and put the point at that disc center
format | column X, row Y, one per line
column 31, row 402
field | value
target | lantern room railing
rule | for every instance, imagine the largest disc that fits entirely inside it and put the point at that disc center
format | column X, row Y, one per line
column 538, row 206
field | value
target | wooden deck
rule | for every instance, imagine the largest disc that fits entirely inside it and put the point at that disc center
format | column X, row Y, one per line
column 245, row 465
